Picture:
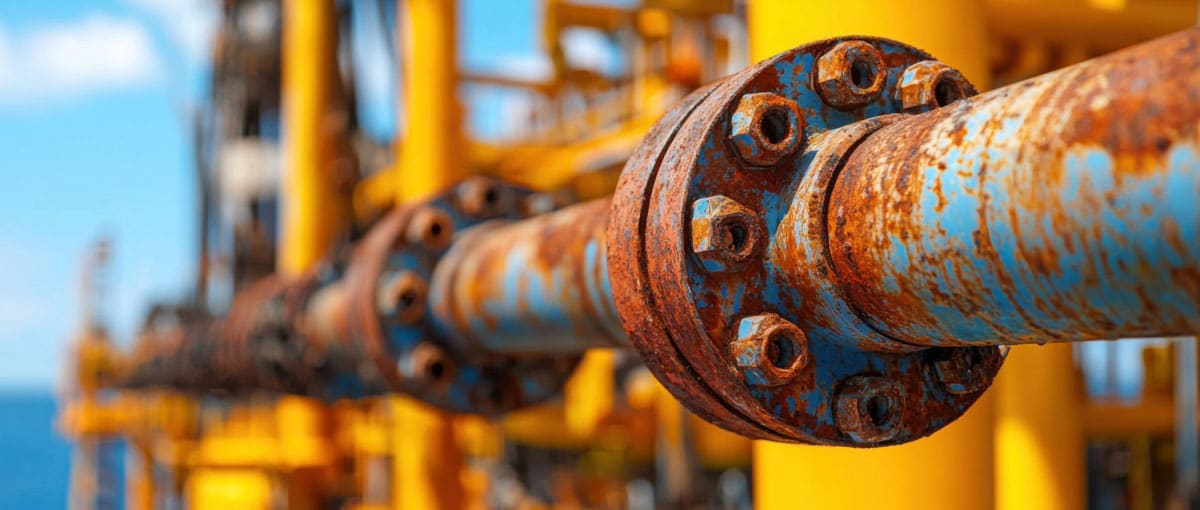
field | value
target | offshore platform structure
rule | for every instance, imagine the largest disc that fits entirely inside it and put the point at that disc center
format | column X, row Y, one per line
column 835, row 246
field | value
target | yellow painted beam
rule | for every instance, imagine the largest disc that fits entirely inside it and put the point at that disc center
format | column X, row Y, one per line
column 1039, row 437
column 952, row 469
column 1154, row 415
column 427, row 462
column 224, row 489
column 1102, row 25
column 953, row 31
column 313, row 214
column 431, row 152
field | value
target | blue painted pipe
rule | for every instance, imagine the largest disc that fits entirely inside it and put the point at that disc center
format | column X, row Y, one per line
column 537, row 286
column 1063, row 208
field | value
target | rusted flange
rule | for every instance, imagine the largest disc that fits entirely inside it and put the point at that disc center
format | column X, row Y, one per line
column 359, row 325
column 387, row 281
column 719, row 262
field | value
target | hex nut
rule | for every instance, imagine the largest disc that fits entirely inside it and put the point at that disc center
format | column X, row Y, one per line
column 765, row 128
column 868, row 409
column 429, row 365
column 851, row 74
column 769, row 349
column 430, row 228
column 481, row 197
column 963, row 370
column 403, row 298
column 931, row 84
column 725, row 234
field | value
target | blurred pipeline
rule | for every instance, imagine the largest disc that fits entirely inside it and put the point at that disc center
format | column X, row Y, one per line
column 832, row 246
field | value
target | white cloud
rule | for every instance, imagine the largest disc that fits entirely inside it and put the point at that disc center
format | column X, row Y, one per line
column 190, row 24
column 589, row 49
column 22, row 309
column 19, row 314
column 93, row 54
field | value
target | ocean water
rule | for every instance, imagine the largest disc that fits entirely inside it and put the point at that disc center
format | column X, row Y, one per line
column 34, row 459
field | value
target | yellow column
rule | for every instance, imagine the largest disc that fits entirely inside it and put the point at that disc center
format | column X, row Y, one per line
column 223, row 489
column 427, row 459
column 1039, row 437
column 139, row 482
column 313, row 213
column 952, row 30
column 952, row 469
column 431, row 152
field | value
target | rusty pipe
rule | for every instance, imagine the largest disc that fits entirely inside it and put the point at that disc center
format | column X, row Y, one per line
column 533, row 286
column 830, row 247
column 797, row 252
column 1062, row 208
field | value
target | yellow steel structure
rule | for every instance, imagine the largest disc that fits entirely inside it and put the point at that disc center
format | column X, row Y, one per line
column 244, row 460
column 430, row 154
column 960, row 455
column 1039, row 436
column 313, row 214
column 958, row 459
column 953, row 31
column 1102, row 25
column 247, row 488
column 427, row 460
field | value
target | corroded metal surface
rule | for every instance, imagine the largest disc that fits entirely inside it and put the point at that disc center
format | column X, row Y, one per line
column 388, row 283
column 1062, row 208
column 631, row 280
column 851, row 74
column 830, row 247
column 707, row 252
column 361, row 324
column 534, row 286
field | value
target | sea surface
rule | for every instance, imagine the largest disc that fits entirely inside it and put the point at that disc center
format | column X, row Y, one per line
column 34, row 459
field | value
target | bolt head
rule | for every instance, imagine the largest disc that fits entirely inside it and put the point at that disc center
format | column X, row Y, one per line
column 481, row 197
column 964, row 370
column 868, row 409
column 929, row 85
column 725, row 234
column 430, row 228
column 765, row 128
column 769, row 349
column 428, row 365
column 851, row 74
column 403, row 297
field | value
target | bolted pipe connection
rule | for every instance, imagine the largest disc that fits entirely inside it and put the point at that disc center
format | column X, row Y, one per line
column 830, row 247
column 915, row 229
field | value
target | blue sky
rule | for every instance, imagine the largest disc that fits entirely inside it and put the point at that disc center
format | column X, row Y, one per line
column 91, row 140
column 93, row 97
